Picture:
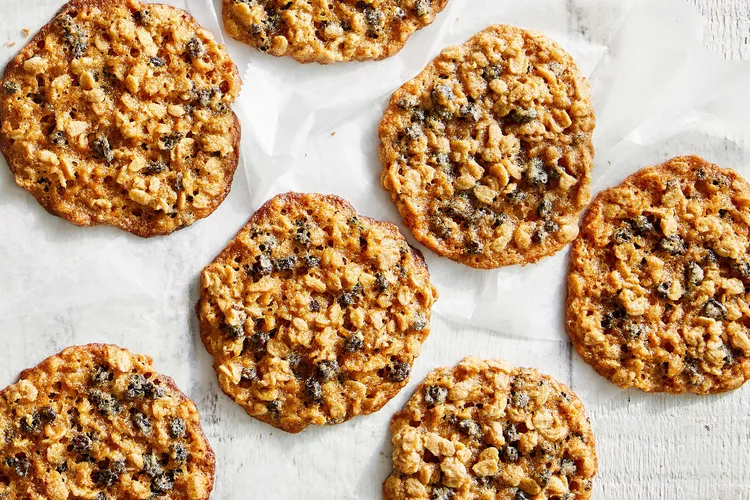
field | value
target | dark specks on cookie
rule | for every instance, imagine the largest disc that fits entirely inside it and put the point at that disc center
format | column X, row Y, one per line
column 142, row 16
column 195, row 48
column 622, row 236
column 544, row 209
column 178, row 453
column 74, row 36
column 536, row 174
column 511, row 454
column 421, row 7
column 523, row 115
column 163, row 483
column 673, row 244
column 19, row 465
column 57, row 137
column 102, row 148
column 470, row 112
column 10, row 87
column 313, row 390
column 105, row 403
column 399, row 371
column 354, row 343
column 567, row 467
column 419, row 322
column 642, row 225
column 714, row 309
column 274, row 407
column 662, row 289
column 328, row 369
column 471, row 428
column 694, row 274
column 511, row 433
column 257, row 341
column 285, row 263
column 104, row 477
column 169, row 141
column 435, row 394
column 142, row 424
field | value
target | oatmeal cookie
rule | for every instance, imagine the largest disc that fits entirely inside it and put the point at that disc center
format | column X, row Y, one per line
column 314, row 314
column 487, row 153
column 97, row 422
column 327, row 32
column 488, row 430
column 659, row 280
column 118, row 113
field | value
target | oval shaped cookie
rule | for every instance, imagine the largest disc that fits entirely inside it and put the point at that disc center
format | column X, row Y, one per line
column 118, row 113
column 486, row 429
column 327, row 32
column 314, row 314
column 95, row 421
column 659, row 280
column 487, row 153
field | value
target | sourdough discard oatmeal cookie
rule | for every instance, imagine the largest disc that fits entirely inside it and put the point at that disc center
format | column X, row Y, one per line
column 314, row 314
column 327, row 32
column 659, row 280
column 487, row 153
column 118, row 112
column 96, row 422
column 488, row 430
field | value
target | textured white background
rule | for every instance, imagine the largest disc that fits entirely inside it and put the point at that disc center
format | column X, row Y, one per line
column 52, row 285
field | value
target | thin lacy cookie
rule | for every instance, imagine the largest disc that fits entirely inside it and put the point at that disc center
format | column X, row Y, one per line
column 659, row 280
column 314, row 314
column 486, row 430
column 118, row 112
column 487, row 153
column 97, row 422
column 327, row 32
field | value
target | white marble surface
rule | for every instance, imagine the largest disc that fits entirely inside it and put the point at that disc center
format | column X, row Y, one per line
column 60, row 285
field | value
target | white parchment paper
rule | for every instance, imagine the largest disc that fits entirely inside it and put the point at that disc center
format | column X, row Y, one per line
column 657, row 92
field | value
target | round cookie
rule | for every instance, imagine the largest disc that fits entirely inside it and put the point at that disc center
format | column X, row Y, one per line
column 488, row 430
column 659, row 280
column 97, row 422
column 327, row 32
column 118, row 112
column 487, row 153
column 314, row 314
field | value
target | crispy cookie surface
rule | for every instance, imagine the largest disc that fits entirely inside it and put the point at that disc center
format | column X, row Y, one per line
column 488, row 430
column 97, row 422
column 660, row 280
column 487, row 153
column 327, row 32
column 118, row 113
column 314, row 314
